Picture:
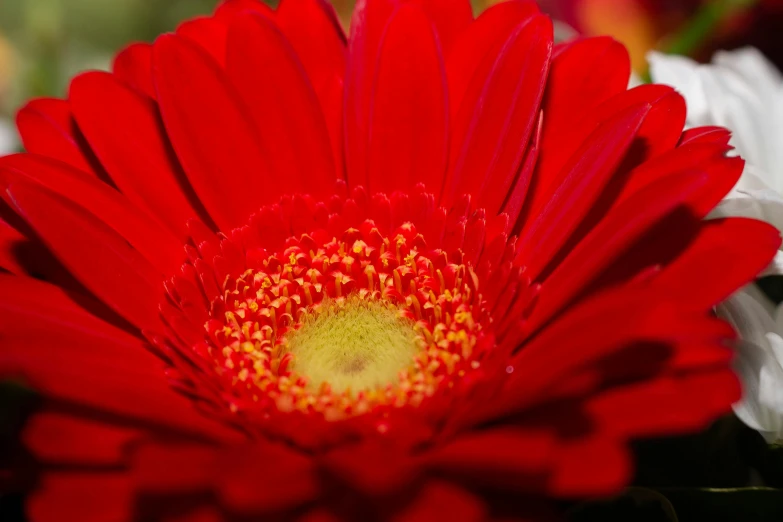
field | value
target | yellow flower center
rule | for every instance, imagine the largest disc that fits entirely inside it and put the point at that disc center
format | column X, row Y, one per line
column 355, row 344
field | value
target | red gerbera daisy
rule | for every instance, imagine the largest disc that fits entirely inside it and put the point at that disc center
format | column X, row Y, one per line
column 429, row 270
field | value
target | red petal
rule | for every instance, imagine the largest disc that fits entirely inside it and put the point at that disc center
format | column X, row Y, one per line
column 716, row 135
column 230, row 8
column 516, row 197
column 507, row 457
column 662, row 127
column 667, row 405
column 56, row 438
column 48, row 128
column 212, row 133
column 209, row 33
column 115, row 373
column 450, row 17
column 408, row 115
column 133, row 147
column 488, row 32
column 726, row 255
column 249, row 488
column 583, row 75
column 613, row 235
column 589, row 170
column 596, row 466
column 22, row 254
column 133, row 66
column 439, row 500
column 232, row 472
column 161, row 469
column 658, row 134
column 607, row 323
column 30, row 302
column 105, row 384
column 314, row 31
column 724, row 173
column 97, row 256
column 291, row 127
column 497, row 116
column 390, row 471
column 331, row 97
column 10, row 240
column 153, row 241
column 694, row 156
column 82, row 496
column 367, row 25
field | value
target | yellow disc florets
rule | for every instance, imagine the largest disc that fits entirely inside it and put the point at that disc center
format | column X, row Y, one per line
column 353, row 325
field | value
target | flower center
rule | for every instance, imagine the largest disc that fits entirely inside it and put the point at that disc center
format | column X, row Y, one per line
column 353, row 344
column 345, row 326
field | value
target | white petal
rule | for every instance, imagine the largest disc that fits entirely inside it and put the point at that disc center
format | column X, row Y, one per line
column 767, row 82
column 761, row 406
column 775, row 268
column 681, row 73
column 773, row 161
column 752, row 365
column 748, row 364
column 771, row 392
column 757, row 179
column 752, row 198
column 751, row 64
column 765, row 302
column 735, row 104
column 749, row 317
column 742, row 91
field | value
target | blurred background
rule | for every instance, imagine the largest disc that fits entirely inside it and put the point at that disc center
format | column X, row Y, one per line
column 45, row 42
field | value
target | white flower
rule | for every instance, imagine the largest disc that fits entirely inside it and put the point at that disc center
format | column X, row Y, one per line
column 759, row 360
column 742, row 91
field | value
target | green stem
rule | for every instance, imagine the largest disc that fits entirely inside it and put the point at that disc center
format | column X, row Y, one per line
column 701, row 26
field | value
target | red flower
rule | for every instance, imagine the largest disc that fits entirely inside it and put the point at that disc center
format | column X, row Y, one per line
column 429, row 271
